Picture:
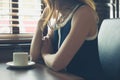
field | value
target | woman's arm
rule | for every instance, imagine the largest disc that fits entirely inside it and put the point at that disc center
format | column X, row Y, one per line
column 82, row 24
column 36, row 45
column 35, row 48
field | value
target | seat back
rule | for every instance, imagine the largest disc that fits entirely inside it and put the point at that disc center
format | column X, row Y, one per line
column 109, row 47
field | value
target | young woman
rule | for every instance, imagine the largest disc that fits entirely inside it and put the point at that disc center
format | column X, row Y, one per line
column 71, row 40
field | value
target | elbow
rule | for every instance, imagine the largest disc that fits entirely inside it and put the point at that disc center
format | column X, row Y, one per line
column 58, row 67
column 53, row 63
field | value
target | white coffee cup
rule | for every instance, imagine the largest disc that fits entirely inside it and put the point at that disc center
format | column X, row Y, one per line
column 21, row 58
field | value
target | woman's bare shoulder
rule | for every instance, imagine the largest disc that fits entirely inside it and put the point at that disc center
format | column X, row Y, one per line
column 85, row 11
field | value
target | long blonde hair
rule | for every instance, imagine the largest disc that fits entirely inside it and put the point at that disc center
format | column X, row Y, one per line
column 50, row 5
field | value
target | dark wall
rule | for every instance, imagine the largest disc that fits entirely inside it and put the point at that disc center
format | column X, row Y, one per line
column 104, row 1
column 105, row 9
column 6, row 50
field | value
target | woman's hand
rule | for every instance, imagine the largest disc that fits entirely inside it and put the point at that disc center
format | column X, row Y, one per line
column 43, row 19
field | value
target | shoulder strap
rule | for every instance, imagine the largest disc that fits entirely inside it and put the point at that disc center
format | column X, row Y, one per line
column 78, row 6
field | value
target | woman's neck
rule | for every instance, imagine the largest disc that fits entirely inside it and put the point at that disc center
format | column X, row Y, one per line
column 61, row 5
column 63, row 9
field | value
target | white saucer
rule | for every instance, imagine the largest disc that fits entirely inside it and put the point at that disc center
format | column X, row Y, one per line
column 11, row 64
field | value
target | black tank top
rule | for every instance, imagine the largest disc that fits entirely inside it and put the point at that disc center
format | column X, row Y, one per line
column 86, row 61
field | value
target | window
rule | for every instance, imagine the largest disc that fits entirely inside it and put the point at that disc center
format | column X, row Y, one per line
column 19, row 16
column 116, row 5
column 118, row 8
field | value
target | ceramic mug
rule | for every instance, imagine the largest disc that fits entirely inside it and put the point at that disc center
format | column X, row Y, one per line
column 21, row 58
